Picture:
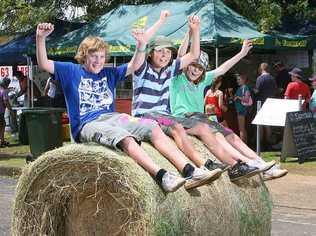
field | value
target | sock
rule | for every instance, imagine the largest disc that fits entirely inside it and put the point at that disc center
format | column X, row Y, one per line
column 208, row 164
column 187, row 170
column 159, row 175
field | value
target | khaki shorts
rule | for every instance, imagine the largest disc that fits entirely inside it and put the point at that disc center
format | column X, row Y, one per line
column 167, row 122
column 110, row 129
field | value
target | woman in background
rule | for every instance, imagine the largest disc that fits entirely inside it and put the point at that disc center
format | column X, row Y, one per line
column 214, row 102
column 242, row 102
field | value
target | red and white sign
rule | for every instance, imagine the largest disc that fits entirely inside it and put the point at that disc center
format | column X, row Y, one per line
column 5, row 71
column 23, row 69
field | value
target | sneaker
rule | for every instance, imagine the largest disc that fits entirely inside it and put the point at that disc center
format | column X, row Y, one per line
column 261, row 164
column 171, row 182
column 241, row 170
column 201, row 176
column 211, row 165
column 274, row 173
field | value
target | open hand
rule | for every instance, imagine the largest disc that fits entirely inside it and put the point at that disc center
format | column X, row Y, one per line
column 140, row 37
column 44, row 29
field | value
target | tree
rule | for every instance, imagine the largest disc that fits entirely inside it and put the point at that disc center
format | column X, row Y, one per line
column 18, row 16
column 269, row 14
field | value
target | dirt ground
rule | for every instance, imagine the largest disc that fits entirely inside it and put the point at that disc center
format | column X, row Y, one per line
column 294, row 211
column 7, row 188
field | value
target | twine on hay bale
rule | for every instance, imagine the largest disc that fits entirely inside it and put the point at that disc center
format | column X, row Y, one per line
column 84, row 189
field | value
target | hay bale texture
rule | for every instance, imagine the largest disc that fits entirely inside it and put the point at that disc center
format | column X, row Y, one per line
column 83, row 189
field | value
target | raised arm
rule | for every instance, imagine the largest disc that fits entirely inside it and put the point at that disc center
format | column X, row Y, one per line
column 184, row 45
column 222, row 69
column 142, row 38
column 194, row 24
column 42, row 31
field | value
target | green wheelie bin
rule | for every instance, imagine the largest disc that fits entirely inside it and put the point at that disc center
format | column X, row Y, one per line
column 44, row 129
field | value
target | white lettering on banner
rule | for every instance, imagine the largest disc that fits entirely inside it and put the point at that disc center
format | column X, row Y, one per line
column 23, row 69
column 5, row 71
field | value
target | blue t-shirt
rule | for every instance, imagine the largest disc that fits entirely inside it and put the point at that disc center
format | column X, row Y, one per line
column 87, row 95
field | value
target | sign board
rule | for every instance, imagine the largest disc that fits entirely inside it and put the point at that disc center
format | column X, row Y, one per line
column 23, row 69
column 299, row 137
column 273, row 112
column 5, row 71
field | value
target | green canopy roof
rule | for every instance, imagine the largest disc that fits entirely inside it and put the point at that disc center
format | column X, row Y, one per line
column 220, row 26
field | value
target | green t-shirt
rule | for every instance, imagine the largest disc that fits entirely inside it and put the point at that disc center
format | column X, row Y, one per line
column 186, row 96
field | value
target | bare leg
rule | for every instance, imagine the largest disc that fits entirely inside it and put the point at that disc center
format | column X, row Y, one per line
column 133, row 149
column 184, row 144
column 2, row 128
column 230, row 149
column 166, row 147
column 237, row 143
column 242, row 128
column 203, row 132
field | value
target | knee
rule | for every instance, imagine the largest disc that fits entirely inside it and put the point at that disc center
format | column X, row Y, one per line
column 157, row 133
column 203, row 129
column 178, row 130
column 125, row 143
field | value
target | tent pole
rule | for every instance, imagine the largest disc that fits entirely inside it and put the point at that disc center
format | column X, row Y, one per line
column 114, row 61
column 216, row 57
column 30, row 94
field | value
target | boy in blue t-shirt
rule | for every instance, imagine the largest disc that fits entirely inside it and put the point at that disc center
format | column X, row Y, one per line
column 89, row 91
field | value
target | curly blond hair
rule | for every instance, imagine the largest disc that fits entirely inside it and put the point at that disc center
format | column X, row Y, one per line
column 88, row 45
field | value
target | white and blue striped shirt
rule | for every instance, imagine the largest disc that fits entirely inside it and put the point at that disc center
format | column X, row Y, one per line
column 151, row 88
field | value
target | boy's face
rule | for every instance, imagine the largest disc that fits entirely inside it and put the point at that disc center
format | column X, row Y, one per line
column 194, row 71
column 94, row 61
column 161, row 58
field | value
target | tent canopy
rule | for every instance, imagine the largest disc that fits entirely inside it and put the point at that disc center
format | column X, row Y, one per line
column 220, row 26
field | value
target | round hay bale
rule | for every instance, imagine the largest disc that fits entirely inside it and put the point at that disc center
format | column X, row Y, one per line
column 86, row 189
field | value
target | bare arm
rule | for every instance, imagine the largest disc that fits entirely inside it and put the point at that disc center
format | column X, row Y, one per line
column 220, row 99
column 184, row 45
column 42, row 31
column 194, row 23
column 206, row 95
column 142, row 39
column 47, row 86
column 222, row 69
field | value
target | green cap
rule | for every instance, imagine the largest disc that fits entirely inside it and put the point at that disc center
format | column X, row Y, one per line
column 161, row 42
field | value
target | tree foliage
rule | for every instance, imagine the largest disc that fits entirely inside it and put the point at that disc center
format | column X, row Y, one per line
column 22, row 15
column 269, row 14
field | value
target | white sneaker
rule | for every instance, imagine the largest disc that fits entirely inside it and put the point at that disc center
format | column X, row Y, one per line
column 201, row 176
column 261, row 164
column 274, row 172
column 171, row 182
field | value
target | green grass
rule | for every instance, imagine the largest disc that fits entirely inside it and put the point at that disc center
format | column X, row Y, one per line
column 14, row 155
column 12, row 162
